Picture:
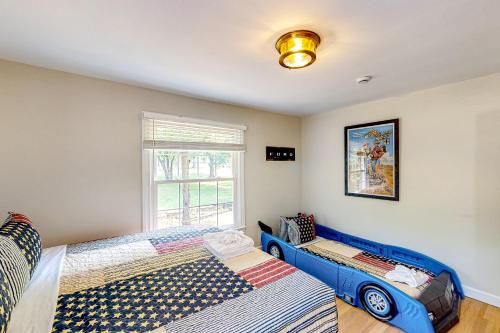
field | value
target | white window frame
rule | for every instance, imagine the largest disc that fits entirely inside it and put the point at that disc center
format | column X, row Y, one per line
column 149, row 185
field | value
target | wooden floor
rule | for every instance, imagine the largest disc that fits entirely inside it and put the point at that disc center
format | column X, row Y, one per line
column 475, row 317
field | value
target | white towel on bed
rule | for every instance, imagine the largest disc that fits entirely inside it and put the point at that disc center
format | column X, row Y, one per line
column 406, row 275
column 228, row 243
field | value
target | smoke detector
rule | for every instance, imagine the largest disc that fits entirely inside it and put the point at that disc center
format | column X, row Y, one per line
column 364, row 79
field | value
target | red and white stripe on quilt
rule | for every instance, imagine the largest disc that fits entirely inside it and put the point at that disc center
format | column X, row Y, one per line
column 267, row 272
column 164, row 248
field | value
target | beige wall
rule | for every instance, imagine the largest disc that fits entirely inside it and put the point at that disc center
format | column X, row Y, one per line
column 71, row 158
column 70, row 150
column 449, row 204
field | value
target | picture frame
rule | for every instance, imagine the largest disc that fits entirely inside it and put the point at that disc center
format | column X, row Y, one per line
column 371, row 160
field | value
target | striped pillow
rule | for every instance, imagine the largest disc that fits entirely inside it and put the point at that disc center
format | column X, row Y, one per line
column 20, row 251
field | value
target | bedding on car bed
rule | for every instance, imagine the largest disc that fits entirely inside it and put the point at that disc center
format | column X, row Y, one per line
column 167, row 281
column 365, row 261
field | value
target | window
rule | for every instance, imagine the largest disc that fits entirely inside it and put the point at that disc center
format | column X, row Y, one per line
column 192, row 172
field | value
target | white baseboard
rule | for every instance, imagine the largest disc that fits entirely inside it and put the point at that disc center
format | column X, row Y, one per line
column 482, row 296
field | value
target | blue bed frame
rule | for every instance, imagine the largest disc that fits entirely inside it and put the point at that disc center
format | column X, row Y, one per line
column 411, row 314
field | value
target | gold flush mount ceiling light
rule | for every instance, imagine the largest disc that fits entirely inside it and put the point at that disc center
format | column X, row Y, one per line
column 297, row 49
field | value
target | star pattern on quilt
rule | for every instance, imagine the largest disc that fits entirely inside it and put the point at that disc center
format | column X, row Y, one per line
column 149, row 301
column 181, row 236
column 28, row 240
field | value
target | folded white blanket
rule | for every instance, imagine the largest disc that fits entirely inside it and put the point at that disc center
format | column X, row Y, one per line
column 227, row 255
column 406, row 275
column 228, row 243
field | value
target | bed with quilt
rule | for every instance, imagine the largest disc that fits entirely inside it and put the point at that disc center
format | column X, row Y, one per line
column 402, row 287
column 164, row 281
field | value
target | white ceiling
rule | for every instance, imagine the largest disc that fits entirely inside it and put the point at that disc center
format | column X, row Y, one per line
column 223, row 50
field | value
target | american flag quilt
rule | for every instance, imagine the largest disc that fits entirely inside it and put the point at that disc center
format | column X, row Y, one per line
column 365, row 261
column 167, row 281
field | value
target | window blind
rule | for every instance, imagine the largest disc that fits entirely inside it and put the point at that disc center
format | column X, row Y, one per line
column 162, row 131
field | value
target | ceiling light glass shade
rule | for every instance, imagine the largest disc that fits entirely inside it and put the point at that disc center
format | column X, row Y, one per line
column 297, row 49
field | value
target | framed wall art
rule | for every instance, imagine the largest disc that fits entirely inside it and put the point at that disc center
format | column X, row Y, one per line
column 372, row 160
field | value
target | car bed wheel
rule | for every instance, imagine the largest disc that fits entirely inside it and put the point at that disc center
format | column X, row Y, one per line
column 275, row 250
column 377, row 302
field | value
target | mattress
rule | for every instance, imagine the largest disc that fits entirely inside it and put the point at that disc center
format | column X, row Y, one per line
column 367, row 262
column 167, row 281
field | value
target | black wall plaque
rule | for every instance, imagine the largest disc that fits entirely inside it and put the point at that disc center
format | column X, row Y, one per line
column 280, row 154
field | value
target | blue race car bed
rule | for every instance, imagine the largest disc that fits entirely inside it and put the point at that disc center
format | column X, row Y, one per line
column 355, row 268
